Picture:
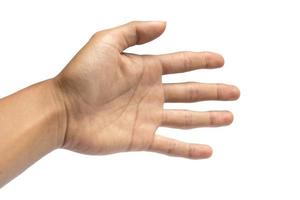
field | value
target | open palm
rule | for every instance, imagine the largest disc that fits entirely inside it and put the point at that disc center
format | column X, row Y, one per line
column 114, row 100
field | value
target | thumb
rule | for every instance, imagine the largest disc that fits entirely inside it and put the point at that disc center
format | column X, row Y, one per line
column 137, row 32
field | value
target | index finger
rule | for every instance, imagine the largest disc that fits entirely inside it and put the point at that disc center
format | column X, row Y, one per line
column 187, row 61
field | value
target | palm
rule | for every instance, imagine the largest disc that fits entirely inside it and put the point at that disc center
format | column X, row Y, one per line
column 128, row 103
column 115, row 100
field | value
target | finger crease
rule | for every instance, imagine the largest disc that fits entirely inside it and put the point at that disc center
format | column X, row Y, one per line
column 219, row 92
column 212, row 118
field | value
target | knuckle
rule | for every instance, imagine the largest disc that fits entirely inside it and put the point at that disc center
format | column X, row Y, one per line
column 188, row 119
column 186, row 60
column 212, row 118
column 192, row 92
column 98, row 35
column 219, row 91
column 191, row 150
column 204, row 59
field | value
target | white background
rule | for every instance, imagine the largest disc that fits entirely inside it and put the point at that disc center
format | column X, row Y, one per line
column 257, row 157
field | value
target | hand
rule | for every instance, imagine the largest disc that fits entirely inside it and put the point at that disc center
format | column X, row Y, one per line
column 114, row 100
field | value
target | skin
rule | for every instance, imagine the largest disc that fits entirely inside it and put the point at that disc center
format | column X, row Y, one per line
column 107, row 101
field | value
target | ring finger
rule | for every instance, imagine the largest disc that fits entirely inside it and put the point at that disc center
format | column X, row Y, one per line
column 185, row 119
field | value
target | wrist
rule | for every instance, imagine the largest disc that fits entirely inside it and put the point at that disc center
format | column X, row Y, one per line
column 60, row 111
column 32, row 124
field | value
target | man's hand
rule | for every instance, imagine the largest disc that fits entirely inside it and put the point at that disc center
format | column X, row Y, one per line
column 108, row 101
column 114, row 100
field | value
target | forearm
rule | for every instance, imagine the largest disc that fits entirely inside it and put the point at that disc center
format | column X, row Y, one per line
column 32, row 124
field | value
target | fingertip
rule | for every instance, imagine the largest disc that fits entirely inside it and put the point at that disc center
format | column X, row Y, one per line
column 200, row 151
column 214, row 60
column 220, row 60
column 227, row 118
column 235, row 93
column 238, row 92
column 149, row 30
column 207, row 152
column 229, row 92
column 161, row 22
column 162, row 25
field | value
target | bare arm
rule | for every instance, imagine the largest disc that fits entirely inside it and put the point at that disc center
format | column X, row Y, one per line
column 31, row 125
column 107, row 101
